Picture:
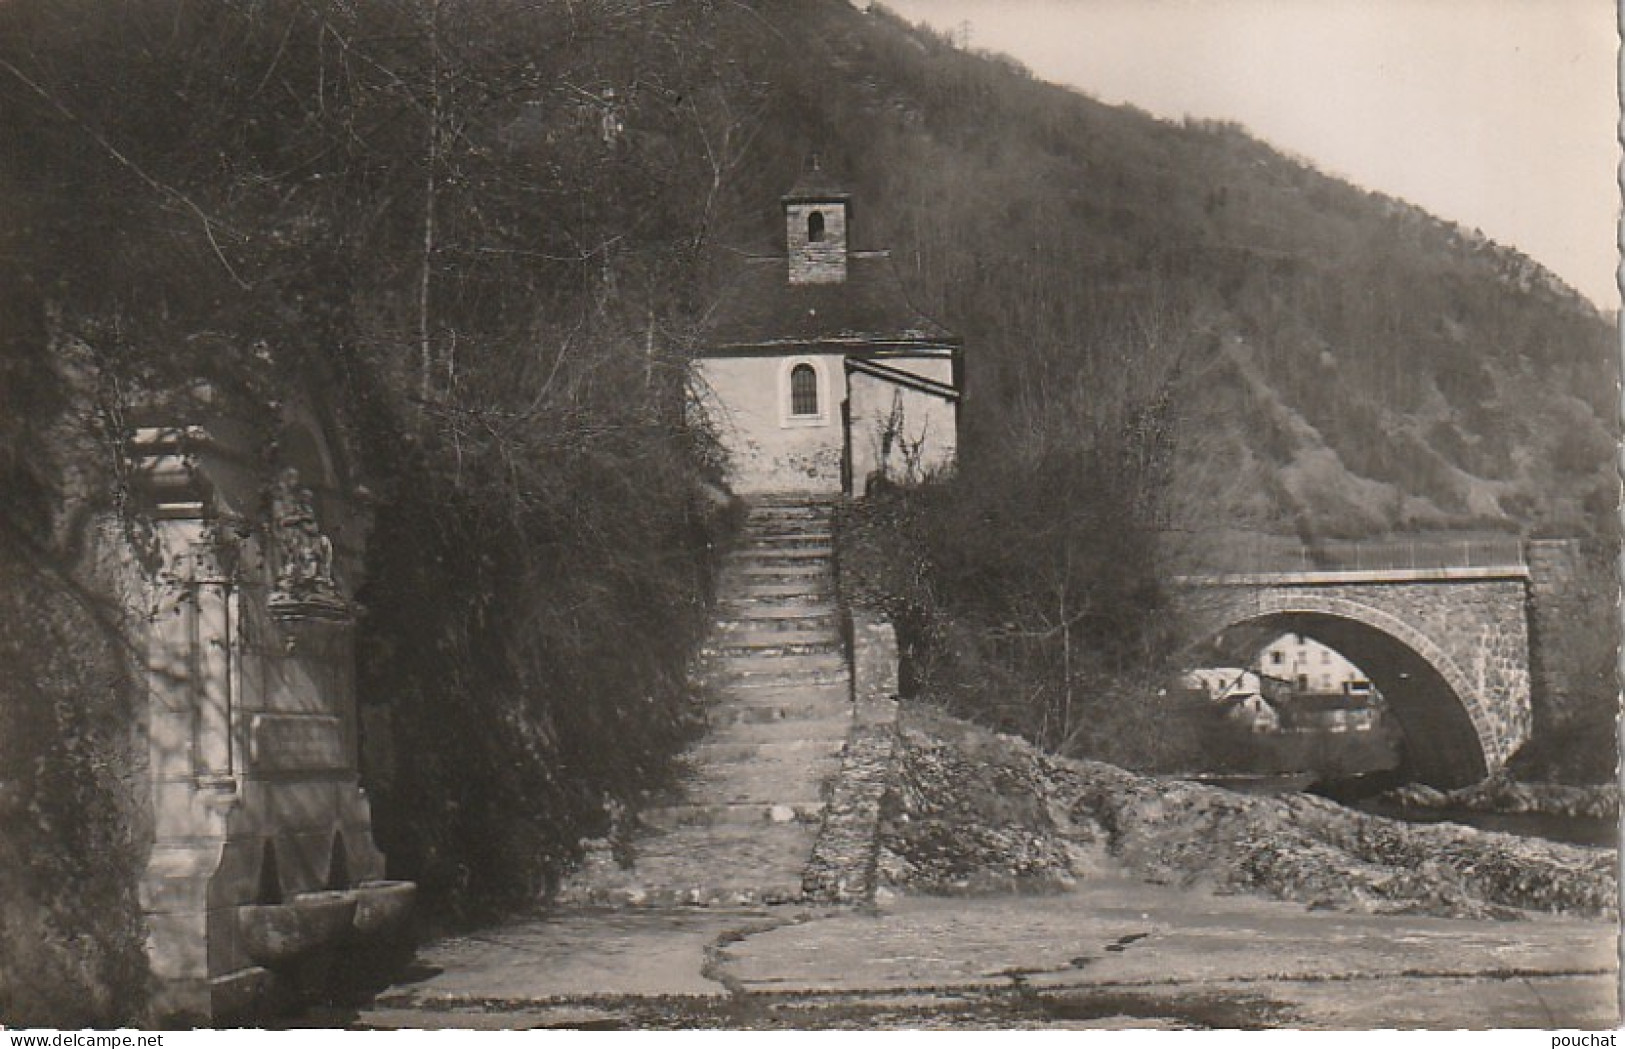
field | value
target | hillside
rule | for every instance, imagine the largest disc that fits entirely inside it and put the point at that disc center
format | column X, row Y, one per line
column 1348, row 365
column 1355, row 365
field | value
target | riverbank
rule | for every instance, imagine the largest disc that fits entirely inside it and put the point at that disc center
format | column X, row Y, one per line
column 1502, row 793
column 1572, row 830
column 975, row 812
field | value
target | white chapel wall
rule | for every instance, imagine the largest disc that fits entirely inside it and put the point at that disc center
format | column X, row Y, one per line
column 901, row 433
column 747, row 401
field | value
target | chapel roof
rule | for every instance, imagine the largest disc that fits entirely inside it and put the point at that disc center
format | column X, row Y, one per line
column 761, row 308
column 815, row 185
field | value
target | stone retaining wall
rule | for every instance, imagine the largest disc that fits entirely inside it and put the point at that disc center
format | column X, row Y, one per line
column 843, row 863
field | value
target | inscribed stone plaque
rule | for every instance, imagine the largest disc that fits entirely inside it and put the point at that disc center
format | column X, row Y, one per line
column 295, row 743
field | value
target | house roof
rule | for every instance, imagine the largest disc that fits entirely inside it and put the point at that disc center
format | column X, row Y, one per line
column 761, row 308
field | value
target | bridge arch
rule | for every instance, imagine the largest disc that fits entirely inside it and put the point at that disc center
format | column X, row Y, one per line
column 1450, row 739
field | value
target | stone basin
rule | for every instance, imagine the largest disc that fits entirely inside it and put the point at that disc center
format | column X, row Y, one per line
column 382, row 906
column 274, row 935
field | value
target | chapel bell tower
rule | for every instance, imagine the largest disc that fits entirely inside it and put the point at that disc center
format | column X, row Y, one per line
column 816, row 220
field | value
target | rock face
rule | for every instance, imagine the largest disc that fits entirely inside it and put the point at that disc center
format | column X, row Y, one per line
column 973, row 814
column 970, row 810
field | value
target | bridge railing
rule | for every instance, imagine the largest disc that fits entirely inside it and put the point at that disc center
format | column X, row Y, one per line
column 1275, row 554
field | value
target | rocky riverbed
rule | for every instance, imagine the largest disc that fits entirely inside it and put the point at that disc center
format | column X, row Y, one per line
column 970, row 811
column 1502, row 793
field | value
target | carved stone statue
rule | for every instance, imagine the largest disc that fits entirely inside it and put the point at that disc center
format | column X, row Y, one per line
column 303, row 582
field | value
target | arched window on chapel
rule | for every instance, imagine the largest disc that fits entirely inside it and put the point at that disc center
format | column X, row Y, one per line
column 803, row 390
column 815, row 226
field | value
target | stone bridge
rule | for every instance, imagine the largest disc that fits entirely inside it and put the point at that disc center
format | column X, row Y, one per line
column 1448, row 645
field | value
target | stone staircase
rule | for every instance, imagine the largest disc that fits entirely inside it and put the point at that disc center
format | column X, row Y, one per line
column 778, row 692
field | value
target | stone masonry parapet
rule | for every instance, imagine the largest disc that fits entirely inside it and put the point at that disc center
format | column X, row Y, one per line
column 843, row 864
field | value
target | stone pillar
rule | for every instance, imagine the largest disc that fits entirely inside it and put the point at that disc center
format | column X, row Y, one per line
column 1554, row 605
column 874, row 668
column 188, row 648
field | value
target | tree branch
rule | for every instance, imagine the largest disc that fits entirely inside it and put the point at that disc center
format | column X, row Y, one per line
column 161, row 188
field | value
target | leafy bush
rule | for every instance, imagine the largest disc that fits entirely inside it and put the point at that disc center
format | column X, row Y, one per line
column 1027, row 600
column 1028, row 587
column 71, row 935
column 532, row 616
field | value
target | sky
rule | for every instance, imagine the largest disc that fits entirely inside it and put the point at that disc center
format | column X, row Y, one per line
column 1497, row 114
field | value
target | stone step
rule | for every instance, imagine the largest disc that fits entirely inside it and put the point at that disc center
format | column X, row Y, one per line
column 793, row 530
column 775, row 645
column 809, row 559
column 767, row 596
column 745, row 638
column 733, row 608
column 761, row 781
column 787, row 534
column 774, row 612
column 759, row 623
column 806, row 558
column 711, row 865
column 779, row 751
column 795, row 512
column 780, row 677
column 829, row 696
column 789, row 538
column 780, row 601
column 767, row 632
column 767, row 687
column 812, row 723
column 766, row 660
column 783, row 679
column 737, row 582
column 792, row 535
column 765, row 714
column 738, row 814
column 809, row 588
column 775, row 710
column 790, row 546
column 789, row 501
column 753, row 606
column 744, row 592
column 803, row 525
column 745, row 574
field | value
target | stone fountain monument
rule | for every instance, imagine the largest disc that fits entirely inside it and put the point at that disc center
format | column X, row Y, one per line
column 263, row 875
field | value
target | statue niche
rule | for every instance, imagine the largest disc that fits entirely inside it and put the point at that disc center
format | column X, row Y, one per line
column 302, row 556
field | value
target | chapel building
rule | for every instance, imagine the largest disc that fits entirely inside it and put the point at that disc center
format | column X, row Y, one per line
column 816, row 372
